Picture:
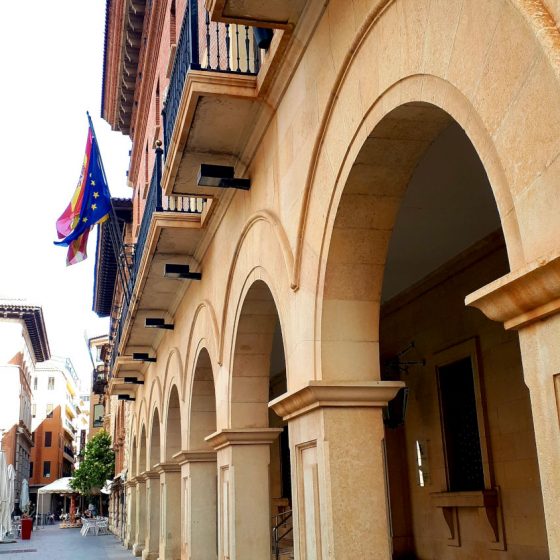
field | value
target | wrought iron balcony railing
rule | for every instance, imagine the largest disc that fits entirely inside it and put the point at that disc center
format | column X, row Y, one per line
column 155, row 202
column 210, row 46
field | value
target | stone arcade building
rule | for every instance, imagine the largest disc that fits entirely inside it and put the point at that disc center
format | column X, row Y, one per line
column 383, row 229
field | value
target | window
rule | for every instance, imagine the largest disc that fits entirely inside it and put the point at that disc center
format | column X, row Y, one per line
column 31, row 469
column 461, row 418
column 49, row 411
column 48, row 439
column 34, row 383
column 33, row 410
column 47, row 469
column 98, row 413
column 50, row 386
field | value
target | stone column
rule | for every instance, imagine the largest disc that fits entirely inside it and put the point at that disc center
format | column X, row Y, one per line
column 152, row 514
column 140, row 516
column 170, row 507
column 243, row 460
column 338, row 471
column 130, row 489
column 199, row 534
column 528, row 300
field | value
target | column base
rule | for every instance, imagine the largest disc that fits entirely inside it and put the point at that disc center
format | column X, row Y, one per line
column 146, row 555
column 137, row 549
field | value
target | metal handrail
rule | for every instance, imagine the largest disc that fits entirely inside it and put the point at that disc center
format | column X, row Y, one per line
column 155, row 202
column 284, row 517
column 211, row 47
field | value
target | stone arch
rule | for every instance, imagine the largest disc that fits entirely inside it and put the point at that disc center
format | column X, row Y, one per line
column 257, row 320
column 173, row 428
column 204, row 333
column 154, row 455
column 173, row 375
column 133, row 457
column 261, row 230
column 142, row 447
column 155, row 399
column 202, row 403
column 411, row 72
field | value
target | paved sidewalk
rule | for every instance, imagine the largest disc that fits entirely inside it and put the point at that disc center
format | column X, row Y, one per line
column 53, row 543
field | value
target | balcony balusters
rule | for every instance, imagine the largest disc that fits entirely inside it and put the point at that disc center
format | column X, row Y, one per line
column 213, row 50
column 155, row 202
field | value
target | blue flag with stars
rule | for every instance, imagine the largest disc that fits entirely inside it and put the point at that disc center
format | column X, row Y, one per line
column 95, row 197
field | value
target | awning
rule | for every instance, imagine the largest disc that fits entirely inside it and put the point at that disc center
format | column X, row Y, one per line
column 60, row 486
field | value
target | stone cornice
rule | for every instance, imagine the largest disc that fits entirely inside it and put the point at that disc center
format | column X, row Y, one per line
column 244, row 436
column 203, row 456
column 131, row 483
column 167, row 467
column 522, row 297
column 324, row 394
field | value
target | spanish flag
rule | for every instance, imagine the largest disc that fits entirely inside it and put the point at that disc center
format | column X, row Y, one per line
column 90, row 204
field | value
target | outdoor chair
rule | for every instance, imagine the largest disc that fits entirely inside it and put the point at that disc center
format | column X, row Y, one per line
column 102, row 527
column 87, row 526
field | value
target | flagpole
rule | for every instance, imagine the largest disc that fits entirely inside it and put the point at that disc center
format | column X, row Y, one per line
column 114, row 230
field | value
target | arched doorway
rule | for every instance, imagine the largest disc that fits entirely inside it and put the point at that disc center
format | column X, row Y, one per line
column 200, row 535
column 417, row 230
column 140, row 482
column 251, row 457
column 153, row 492
column 170, row 481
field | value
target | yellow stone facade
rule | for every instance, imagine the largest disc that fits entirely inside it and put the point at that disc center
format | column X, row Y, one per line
column 284, row 342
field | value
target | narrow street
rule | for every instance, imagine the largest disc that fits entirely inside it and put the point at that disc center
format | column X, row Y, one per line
column 53, row 543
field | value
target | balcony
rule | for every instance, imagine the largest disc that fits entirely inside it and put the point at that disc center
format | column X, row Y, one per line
column 170, row 232
column 212, row 104
column 69, row 452
column 272, row 13
column 69, row 427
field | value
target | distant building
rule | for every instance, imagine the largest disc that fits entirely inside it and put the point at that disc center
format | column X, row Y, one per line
column 98, row 346
column 23, row 343
column 83, row 425
column 55, row 415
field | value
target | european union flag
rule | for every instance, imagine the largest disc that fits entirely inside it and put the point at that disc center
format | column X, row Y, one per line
column 91, row 203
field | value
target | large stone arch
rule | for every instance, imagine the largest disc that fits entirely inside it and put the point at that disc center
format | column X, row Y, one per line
column 173, row 375
column 204, row 333
column 393, row 41
column 257, row 311
column 173, row 427
column 264, row 236
column 154, row 438
column 142, row 450
column 202, row 402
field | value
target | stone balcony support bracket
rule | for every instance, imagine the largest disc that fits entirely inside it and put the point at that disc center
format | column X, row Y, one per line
column 522, row 297
column 321, row 394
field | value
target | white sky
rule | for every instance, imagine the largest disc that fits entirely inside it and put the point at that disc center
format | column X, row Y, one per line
column 51, row 66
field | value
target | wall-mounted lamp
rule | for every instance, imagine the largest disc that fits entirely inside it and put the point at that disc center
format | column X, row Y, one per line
column 142, row 357
column 133, row 381
column 157, row 323
column 221, row 176
column 180, row 271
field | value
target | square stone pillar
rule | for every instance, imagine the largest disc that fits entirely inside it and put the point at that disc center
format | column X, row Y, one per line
column 244, row 523
column 170, row 507
column 528, row 300
column 199, row 534
column 338, row 468
column 140, row 517
column 153, row 515
column 130, row 489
